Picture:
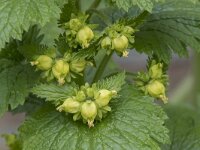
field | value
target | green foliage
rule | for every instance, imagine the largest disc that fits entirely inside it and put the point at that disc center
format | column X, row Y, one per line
column 15, row 82
column 112, row 83
column 184, row 126
column 121, row 129
column 17, row 16
column 12, row 141
column 53, row 92
column 171, row 27
column 142, row 4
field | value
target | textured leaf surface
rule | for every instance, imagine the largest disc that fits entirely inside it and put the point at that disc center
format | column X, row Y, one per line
column 112, row 83
column 15, row 85
column 53, row 92
column 17, row 15
column 184, row 125
column 171, row 28
column 135, row 123
column 143, row 4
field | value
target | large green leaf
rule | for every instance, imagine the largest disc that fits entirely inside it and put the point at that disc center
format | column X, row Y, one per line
column 184, row 125
column 135, row 123
column 17, row 15
column 172, row 27
column 15, row 84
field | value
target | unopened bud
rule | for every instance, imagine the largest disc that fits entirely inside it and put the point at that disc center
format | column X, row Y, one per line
column 106, row 43
column 84, row 36
column 74, row 24
column 60, row 70
column 155, row 71
column 78, row 65
column 120, row 44
column 70, row 105
column 43, row 62
column 128, row 29
column 157, row 89
column 104, row 97
column 89, row 112
column 80, row 96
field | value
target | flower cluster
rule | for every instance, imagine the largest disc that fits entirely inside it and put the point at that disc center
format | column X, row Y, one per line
column 62, row 69
column 118, row 37
column 78, row 33
column 153, row 83
column 88, row 104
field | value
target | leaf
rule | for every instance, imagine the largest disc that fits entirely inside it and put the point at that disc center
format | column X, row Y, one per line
column 172, row 27
column 135, row 123
column 184, row 125
column 143, row 4
column 17, row 16
column 15, row 82
column 112, row 83
column 53, row 92
column 71, row 7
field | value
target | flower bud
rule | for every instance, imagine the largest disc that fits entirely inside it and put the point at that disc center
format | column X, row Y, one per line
column 157, row 89
column 78, row 65
column 60, row 70
column 120, row 44
column 90, row 92
column 128, row 29
column 104, row 97
column 43, row 62
column 106, row 43
column 80, row 96
column 74, row 24
column 70, row 105
column 84, row 36
column 155, row 71
column 89, row 112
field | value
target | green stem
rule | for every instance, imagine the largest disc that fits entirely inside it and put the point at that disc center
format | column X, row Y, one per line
column 101, row 67
column 196, row 86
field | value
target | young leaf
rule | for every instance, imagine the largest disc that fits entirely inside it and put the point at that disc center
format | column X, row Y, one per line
column 173, row 26
column 53, row 92
column 17, row 16
column 15, row 82
column 135, row 123
column 184, row 125
column 112, row 83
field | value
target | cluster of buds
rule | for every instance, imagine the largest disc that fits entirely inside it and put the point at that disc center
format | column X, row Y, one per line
column 78, row 32
column 88, row 104
column 153, row 82
column 61, row 69
column 118, row 37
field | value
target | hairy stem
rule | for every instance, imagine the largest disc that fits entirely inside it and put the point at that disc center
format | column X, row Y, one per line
column 102, row 67
column 196, row 86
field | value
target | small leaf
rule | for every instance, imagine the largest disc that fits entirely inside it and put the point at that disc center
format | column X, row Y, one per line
column 53, row 92
column 112, row 83
column 134, row 122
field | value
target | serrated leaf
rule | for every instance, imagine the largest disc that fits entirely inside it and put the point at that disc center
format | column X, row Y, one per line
column 184, row 126
column 71, row 7
column 53, row 92
column 17, row 16
column 172, row 27
column 112, row 83
column 142, row 4
column 15, row 82
column 134, row 123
